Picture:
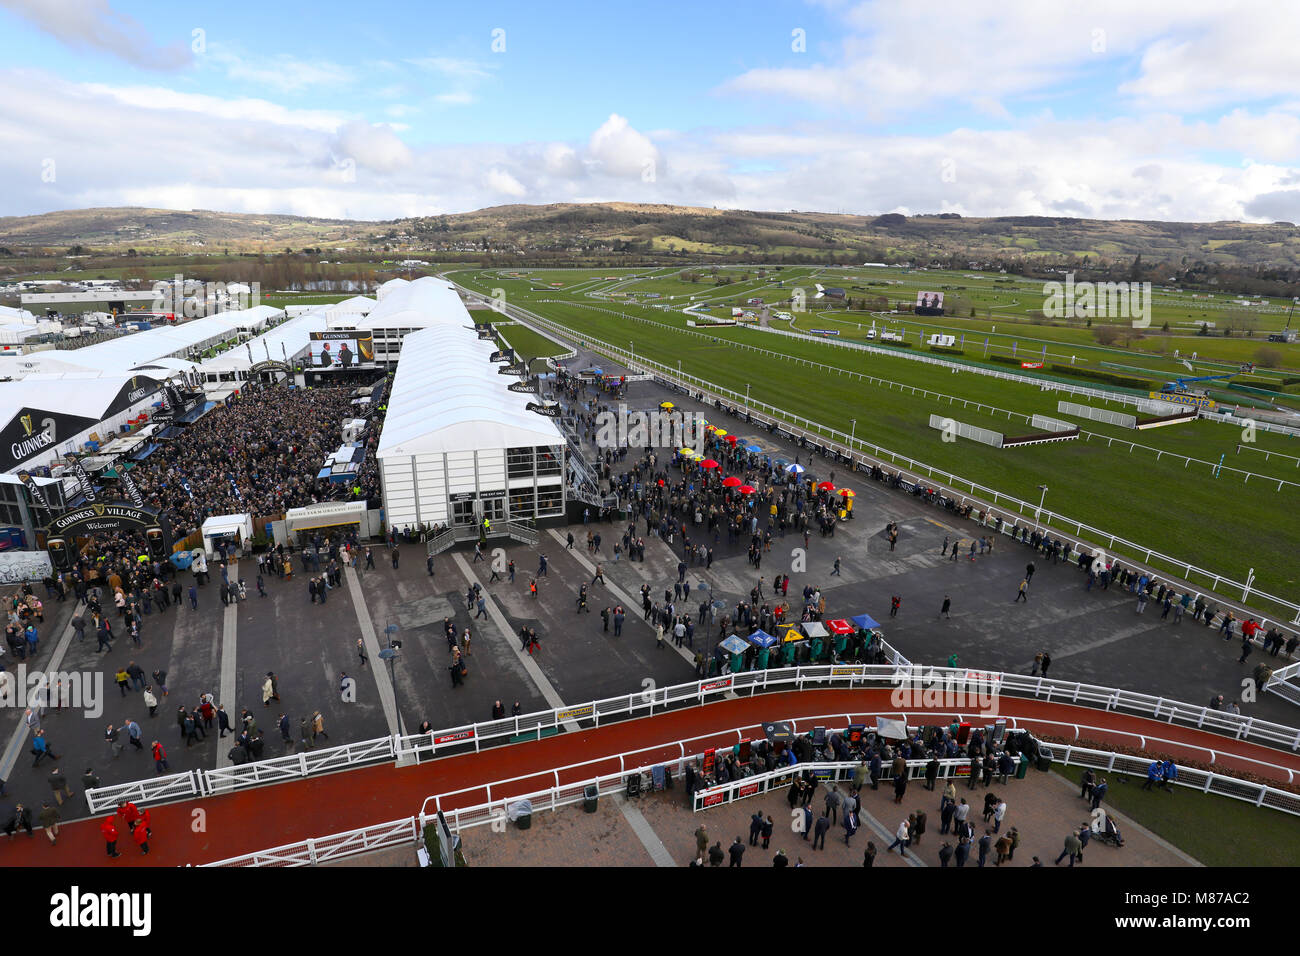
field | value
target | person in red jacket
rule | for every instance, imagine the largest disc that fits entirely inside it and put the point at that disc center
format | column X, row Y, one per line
column 143, row 823
column 109, row 829
column 141, row 836
column 159, row 757
column 128, row 813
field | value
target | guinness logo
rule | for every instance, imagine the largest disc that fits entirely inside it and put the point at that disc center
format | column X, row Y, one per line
column 99, row 510
column 27, row 424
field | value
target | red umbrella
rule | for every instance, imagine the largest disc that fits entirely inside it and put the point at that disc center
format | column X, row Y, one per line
column 826, row 486
column 732, row 439
column 747, row 489
column 730, row 482
column 661, row 482
column 839, row 626
column 709, row 463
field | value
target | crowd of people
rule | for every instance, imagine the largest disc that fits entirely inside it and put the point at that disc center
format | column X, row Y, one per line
column 260, row 453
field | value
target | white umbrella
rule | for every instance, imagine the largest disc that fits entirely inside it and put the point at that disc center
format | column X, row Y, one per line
column 794, row 469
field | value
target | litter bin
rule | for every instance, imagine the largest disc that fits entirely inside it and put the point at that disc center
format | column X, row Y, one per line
column 1044, row 762
column 1023, row 767
column 589, row 797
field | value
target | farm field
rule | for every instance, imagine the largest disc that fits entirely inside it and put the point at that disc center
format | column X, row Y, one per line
column 1146, row 496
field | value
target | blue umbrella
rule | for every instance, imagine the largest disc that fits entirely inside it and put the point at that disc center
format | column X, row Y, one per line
column 864, row 621
column 733, row 645
column 754, row 449
column 780, row 462
column 762, row 639
column 795, row 469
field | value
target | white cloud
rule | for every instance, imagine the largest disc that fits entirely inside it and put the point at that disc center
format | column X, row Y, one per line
column 94, row 24
column 500, row 181
column 192, row 150
column 280, row 71
column 622, row 151
column 896, row 58
column 374, row 147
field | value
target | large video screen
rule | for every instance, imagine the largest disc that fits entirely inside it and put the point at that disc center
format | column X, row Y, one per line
column 342, row 350
column 929, row 303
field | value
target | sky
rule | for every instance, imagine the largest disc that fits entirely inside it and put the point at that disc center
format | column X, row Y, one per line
column 1184, row 111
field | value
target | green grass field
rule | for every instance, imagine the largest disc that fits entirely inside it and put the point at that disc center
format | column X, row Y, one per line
column 1217, row 831
column 1146, row 496
column 528, row 345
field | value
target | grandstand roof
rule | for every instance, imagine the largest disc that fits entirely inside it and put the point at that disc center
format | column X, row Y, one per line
column 414, row 305
column 129, row 351
column 447, row 396
column 89, row 396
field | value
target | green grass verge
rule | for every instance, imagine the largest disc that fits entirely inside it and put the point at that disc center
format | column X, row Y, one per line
column 1217, row 831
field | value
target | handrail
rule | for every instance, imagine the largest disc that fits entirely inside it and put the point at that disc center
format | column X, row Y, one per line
column 383, row 749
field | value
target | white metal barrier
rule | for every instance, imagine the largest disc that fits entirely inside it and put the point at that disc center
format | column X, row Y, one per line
column 645, row 703
column 568, row 793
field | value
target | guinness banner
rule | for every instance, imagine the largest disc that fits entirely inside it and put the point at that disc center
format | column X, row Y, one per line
column 503, row 355
column 524, row 386
column 132, row 490
column 550, row 411
column 83, row 479
column 33, row 431
column 516, row 369
column 109, row 516
column 34, row 489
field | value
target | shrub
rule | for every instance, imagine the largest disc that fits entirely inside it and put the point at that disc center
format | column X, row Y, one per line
column 1268, row 357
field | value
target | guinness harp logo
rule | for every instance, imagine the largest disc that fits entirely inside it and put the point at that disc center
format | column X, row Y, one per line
column 27, row 424
column 99, row 510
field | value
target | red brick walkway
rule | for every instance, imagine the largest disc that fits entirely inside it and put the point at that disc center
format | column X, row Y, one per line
column 200, row 831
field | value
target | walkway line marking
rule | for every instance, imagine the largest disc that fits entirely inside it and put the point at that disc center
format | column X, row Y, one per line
column 229, row 661
column 645, row 833
column 539, row 679
column 19, row 736
column 632, row 608
column 909, row 855
column 377, row 669
column 1132, row 825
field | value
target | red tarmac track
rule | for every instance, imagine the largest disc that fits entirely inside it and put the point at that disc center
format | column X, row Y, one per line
column 264, row 817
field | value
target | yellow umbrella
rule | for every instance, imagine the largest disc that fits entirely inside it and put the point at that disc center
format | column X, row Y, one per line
column 686, row 451
column 720, row 433
column 666, row 405
column 848, row 493
column 697, row 457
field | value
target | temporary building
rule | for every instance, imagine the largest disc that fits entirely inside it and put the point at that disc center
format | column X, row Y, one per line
column 457, row 445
